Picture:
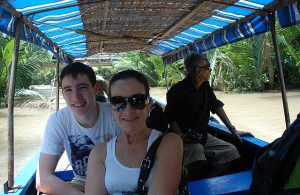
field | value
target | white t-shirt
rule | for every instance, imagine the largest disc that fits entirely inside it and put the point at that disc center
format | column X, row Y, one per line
column 63, row 132
column 120, row 179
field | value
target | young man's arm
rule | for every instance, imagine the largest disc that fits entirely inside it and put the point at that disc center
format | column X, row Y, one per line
column 47, row 182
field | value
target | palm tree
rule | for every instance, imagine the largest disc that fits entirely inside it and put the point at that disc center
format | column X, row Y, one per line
column 150, row 65
column 5, row 61
column 175, row 72
column 31, row 59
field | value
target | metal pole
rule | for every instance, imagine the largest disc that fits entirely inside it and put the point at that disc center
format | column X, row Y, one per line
column 11, row 94
column 57, row 78
column 279, row 65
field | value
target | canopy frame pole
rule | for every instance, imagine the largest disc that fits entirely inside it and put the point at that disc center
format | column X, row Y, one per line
column 11, row 94
column 279, row 66
column 57, row 78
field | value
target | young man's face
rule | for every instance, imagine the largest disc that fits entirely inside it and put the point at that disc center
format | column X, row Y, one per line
column 78, row 93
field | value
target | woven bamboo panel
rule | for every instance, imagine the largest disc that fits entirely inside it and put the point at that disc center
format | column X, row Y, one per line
column 136, row 24
column 120, row 25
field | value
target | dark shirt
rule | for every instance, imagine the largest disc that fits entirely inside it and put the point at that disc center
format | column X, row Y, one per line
column 190, row 107
column 100, row 97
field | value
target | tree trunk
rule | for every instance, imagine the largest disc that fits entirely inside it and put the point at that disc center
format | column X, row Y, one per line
column 267, row 63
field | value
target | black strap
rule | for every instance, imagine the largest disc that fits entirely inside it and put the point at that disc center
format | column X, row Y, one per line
column 147, row 165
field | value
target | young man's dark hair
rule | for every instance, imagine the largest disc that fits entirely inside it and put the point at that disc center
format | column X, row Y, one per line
column 78, row 68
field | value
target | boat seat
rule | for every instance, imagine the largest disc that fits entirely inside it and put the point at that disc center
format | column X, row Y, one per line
column 67, row 175
column 157, row 119
column 237, row 183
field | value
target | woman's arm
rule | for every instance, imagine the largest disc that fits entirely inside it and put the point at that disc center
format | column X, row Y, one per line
column 167, row 173
column 96, row 170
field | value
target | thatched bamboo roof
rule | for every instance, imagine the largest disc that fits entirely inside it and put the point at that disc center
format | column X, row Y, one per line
column 138, row 24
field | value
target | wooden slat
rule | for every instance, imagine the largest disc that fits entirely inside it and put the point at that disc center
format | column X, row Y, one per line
column 106, row 7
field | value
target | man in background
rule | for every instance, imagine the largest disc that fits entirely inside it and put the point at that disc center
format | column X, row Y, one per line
column 189, row 103
column 101, row 89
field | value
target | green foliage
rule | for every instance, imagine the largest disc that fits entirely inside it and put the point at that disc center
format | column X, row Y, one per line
column 241, row 66
column 150, row 65
column 30, row 61
column 175, row 72
column 289, row 44
column 232, row 72
column 43, row 76
column 104, row 72
column 6, row 57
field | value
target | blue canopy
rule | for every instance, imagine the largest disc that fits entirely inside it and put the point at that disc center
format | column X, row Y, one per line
column 287, row 16
column 171, row 29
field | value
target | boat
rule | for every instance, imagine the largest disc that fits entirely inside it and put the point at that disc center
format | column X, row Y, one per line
column 73, row 29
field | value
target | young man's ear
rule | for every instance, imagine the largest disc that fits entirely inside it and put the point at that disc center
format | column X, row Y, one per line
column 97, row 88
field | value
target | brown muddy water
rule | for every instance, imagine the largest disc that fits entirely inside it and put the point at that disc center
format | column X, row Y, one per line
column 29, row 124
column 260, row 113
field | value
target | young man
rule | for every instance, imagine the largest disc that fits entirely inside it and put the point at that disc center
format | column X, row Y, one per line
column 76, row 129
column 188, row 108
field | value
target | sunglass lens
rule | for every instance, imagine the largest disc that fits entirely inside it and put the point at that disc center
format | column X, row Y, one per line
column 117, row 100
column 119, row 107
column 138, row 101
column 118, row 103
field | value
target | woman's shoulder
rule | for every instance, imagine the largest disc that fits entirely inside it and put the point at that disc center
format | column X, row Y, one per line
column 172, row 137
column 99, row 151
column 171, row 140
column 171, row 146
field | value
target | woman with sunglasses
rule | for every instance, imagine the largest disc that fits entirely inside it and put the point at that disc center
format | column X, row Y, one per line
column 114, row 167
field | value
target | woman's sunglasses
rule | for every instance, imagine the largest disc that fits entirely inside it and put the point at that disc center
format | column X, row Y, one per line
column 137, row 101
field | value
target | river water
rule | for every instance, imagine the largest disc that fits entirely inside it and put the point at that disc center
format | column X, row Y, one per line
column 29, row 124
column 260, row 113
